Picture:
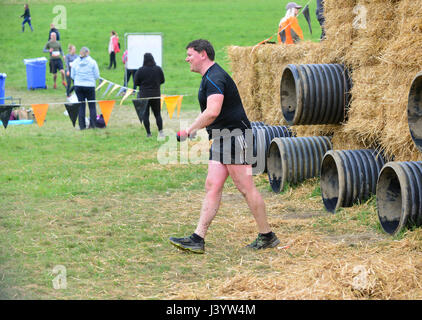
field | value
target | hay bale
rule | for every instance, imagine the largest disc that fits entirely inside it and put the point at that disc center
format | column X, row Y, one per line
column 366, row 114
column 401, row 61
column 339, row 29
column 270, row 63
column 242, row 63
column 383, row 58
column 374, row 26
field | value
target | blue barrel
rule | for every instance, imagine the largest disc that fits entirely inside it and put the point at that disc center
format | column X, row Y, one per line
column 2, row 85
column 35, row 73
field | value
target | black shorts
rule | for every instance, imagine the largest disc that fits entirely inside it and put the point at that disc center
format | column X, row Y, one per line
column 56, row 64
column 229, row 150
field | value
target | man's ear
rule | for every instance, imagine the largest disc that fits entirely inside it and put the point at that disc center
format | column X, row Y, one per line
column 203, row 54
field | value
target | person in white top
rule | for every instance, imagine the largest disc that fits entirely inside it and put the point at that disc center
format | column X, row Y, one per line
column 85, row 74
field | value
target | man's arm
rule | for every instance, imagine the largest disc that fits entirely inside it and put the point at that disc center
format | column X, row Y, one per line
column 96, row 71
column 46, row 48
column 214, row 104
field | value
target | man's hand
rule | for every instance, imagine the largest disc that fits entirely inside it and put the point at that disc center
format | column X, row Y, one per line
column 182, row 135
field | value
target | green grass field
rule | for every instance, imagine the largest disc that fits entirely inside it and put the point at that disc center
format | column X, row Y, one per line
column 100, row 204
column 89, row 23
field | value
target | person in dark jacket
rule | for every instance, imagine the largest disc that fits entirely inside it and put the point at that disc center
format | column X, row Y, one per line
column 53, row 29
column 26, row 18
column 149, row 78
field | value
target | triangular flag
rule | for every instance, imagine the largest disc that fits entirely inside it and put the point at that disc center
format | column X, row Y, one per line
column 141, row 106
column 108, row 88
column 114, row 88
column 122, row 89
column 73, row 111
column 171, row 104
column 5, row 111
column 179, row 105
column 305, row 12
column 128, row 93
column 40, row 111
column 162, row 100
column 106, row 107
column 101, row 84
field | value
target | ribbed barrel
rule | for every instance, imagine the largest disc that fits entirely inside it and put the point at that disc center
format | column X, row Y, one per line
column 257, row 123
column 349, row 176
column 414, row 110
column 263, row 135
column 399, row 196
column 295, row 159
column 314, row 93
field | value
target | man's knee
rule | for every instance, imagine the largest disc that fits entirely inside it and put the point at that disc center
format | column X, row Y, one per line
column 213, row 185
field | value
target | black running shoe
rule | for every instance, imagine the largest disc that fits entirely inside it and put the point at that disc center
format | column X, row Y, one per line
column 188, row 244
column 263, row 242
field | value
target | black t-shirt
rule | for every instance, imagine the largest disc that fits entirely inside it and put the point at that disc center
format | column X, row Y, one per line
column 232, row 115
column 149, row 79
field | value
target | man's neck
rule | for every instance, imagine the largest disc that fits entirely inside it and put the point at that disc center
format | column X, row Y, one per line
column 206, row 66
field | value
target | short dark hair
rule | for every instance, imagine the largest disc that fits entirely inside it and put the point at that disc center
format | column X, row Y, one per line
column 201, row 45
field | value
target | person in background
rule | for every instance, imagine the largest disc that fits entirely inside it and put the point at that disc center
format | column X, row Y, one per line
column 128, row 72
column 70, row 57
column 320, row 17
column 224, row 117
column 85, row 74
column 53, row 29
column 56, row 63
column 149, row 78
column 26, row 18
column 289, row 31
column 113, row 48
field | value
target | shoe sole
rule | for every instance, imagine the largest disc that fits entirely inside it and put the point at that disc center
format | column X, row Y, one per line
column 179, row 246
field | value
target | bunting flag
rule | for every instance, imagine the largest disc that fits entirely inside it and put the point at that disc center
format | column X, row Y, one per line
column 122, row 89
column 307, row 17
column 179, row 105
column 108, row 88
column 40, row 111
column 141, row 106
column 103, row 82
column 114, row 88
column 5, row 111
column 106, row 107
column 171, row 103
column 162, row 100
column 127, row 94
column 73, row 111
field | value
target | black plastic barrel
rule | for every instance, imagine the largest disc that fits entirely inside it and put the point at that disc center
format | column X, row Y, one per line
column 399, row 196
column 349, row 176
column 314, row 93
column 263, row 135
column 294, row 160
column 414, row 110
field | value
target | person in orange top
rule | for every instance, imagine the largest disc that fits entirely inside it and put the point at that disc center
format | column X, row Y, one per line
column 289, row 31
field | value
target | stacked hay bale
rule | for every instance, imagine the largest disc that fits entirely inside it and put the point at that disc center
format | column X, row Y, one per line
column 257, row 72
column 379, row 41
column 401, row 61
